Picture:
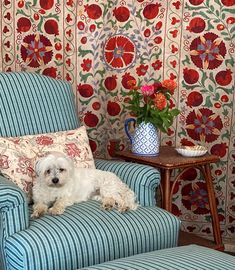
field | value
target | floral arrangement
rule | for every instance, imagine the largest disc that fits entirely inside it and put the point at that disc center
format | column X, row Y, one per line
column 150, row 103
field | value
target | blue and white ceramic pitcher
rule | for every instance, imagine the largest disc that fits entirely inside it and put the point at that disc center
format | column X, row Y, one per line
column 145, row 140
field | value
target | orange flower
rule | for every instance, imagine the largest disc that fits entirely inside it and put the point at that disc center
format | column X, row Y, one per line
column 169, row 85
column 160, row 101
column 132, row 84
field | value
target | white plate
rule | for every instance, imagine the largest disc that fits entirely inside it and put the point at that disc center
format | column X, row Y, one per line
column 192, row 151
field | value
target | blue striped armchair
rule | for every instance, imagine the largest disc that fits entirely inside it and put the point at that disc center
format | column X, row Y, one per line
column 84, row 235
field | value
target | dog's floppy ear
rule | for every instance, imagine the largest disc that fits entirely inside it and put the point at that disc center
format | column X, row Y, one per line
column 38, row 166
column 70, row 160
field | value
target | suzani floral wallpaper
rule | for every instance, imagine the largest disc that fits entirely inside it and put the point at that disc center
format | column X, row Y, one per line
column 98, row 45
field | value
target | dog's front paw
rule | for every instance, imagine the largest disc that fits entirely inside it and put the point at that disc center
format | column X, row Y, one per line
column 56, row 210
column 39, row 210
column 108, row 203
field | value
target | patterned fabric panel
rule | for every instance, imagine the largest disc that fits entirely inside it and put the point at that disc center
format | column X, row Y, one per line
column 31, row 103
column 142, row 179
column 191, row 257
column 86, row 235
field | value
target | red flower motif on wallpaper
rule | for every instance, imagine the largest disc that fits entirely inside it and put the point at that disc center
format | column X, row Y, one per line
column 86, row 64
column 157, row 65
column 141, row 70
column 196, row 25
column 207, row 51
column 119, row 52
column 51, row 71
column 203, row 125
column 36, row 50
column 195, row 198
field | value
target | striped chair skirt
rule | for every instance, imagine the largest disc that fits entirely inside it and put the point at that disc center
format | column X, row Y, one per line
column 190, row 257
column 87, row 235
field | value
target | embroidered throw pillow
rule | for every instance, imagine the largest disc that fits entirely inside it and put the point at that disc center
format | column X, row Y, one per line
column 19, row 154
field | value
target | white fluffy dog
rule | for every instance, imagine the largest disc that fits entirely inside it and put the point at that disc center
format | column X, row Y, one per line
column 59, row 184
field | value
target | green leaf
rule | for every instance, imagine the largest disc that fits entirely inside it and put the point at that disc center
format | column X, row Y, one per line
column 204, row 77
column 128, row 25
column 208, row 102
column 218, row 2
column 82, row 52
column 217, row 96
column 225, row 112
column 210, row 25
column 84, row 77
column 224, row 33
column 85, row 102
column 229, row 61
column 232, row 29
column 175, row 112
column 211, row 89
column 226, row 135
column 101, row 72
column 229, row 10
column 211, row 76
column 212, row 8
column 186, row 61
column 99, row 24
column 20, row 11
column 138, row 15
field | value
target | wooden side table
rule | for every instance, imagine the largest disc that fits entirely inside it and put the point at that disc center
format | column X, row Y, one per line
column 167, row 161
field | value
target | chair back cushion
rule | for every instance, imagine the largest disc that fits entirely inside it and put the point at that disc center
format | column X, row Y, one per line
column 31, row 103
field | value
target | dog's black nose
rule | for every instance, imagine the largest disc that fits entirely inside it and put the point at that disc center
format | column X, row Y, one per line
column 55, row 180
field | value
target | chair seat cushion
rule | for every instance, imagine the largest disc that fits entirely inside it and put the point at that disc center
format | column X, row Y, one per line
column 87, row 235
column 190, row 257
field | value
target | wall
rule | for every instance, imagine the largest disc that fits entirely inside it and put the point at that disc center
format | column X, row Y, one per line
column 99, row 45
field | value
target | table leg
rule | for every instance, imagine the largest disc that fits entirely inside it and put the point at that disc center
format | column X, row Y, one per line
column 166, row 201
column 213, row 206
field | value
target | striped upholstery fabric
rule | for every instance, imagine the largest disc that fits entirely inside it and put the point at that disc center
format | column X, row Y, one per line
column 32, row 104
column 190, row 257
column 142, row 179
column 13, row 213
column 86, row 235
column 14, row 205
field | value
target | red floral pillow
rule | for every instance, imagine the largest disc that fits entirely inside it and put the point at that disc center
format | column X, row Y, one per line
column 19, row 154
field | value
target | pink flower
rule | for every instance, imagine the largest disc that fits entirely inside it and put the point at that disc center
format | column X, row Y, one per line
column 44, row 140
column 25, row 166
column 4, row 163
column 147, row 90
column 72, row 150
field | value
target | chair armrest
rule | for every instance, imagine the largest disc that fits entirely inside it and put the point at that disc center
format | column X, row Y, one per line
column 14, row 215
column 142, row 179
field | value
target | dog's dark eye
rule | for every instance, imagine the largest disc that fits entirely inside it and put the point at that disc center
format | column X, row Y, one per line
column 48, row 171
column 62, row 170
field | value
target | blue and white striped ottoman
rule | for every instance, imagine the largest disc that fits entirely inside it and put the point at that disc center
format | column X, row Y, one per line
column 191, row 257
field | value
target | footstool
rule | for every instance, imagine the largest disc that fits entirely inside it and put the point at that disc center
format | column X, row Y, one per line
column 191, row 257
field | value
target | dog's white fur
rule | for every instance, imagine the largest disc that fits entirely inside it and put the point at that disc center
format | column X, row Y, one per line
column 59, row 184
